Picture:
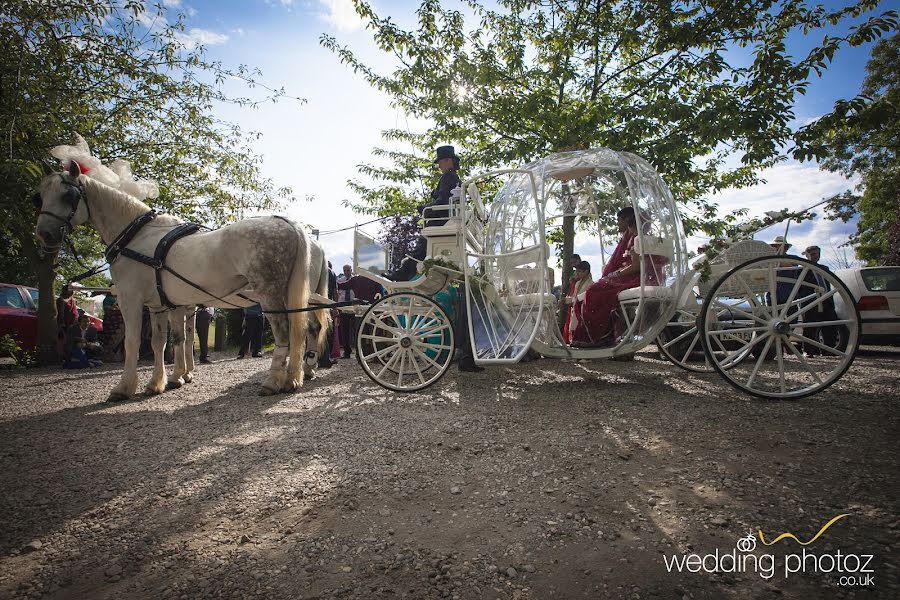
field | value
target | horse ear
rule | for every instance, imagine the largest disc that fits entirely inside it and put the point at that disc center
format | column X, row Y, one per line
column 46, row 168
column 74, row 169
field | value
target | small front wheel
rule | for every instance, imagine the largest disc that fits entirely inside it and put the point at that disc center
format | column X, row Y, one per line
column 405, row 342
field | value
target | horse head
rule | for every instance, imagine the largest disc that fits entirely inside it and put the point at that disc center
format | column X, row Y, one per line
column 62, row 205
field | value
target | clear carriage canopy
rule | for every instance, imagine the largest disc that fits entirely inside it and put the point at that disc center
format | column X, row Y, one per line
column 511, row 305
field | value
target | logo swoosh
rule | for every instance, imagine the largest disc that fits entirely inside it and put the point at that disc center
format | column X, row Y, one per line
column 794, row 537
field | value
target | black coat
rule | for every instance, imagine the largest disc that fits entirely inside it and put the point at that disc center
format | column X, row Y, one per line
column 440, row 196
column 827, row 307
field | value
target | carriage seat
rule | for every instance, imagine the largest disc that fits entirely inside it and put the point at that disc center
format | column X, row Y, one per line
column 533, row 299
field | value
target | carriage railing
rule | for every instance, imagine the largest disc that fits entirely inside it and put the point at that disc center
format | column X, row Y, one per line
column 750, row 280
column 452, row 215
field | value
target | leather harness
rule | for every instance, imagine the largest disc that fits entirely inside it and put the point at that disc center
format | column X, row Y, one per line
column 158, row 262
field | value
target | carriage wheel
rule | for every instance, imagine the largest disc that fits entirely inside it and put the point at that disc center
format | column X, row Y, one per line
column 405, row 342
column 740, row 318
column 680, row 342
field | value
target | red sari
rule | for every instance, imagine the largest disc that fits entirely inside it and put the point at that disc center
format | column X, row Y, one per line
column 602, row 298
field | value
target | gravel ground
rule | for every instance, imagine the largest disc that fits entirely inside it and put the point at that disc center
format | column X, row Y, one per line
column 547, row 479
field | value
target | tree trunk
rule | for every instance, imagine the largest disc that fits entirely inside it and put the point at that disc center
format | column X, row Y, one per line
column 47, row 352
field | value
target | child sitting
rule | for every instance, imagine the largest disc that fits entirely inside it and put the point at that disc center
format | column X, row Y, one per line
column 78, row 357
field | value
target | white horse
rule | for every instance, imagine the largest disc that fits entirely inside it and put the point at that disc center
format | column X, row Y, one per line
column 269, row 260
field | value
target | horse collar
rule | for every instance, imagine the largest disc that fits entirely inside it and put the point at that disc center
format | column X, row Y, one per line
column 123, row 239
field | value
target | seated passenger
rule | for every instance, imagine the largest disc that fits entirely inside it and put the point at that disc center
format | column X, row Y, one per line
column 580, row 282
column 595, row 307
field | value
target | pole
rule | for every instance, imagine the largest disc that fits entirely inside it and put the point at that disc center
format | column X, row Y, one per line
column 568, row 249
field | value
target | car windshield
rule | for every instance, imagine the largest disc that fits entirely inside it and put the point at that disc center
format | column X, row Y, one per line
column 11, row 298
column 882, row 280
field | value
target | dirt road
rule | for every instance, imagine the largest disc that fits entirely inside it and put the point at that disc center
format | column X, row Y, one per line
column 547, row 479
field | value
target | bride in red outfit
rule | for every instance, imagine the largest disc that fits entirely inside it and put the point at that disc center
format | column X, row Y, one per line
column 595, row 306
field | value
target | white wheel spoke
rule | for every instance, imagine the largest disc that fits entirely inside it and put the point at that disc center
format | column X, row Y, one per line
column 800, row 356
column 433, row 346
column 793, row 295
column 402, row 354
column 427, row 359
column 415, row 364
column 740, row 311
column 382, row 352
column 384, row 325
column 388, row 364
column 811, row 306
column 691, row 331
column 431, row 332
column 377, row 338
column 779, row 356
column 759, row 361
column 817, row 344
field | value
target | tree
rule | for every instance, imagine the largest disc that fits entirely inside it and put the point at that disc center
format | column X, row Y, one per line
column 687, row 85
column 861, row 137
column 135, row 86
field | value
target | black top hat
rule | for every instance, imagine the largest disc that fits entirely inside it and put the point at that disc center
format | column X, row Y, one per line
column 445, row 152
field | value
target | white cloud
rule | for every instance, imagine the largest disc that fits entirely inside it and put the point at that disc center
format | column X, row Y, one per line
column 197, row 36
column 341, row 14
column 171, row 3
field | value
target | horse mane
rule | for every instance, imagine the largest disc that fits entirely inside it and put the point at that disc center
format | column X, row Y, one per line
column 119, row 205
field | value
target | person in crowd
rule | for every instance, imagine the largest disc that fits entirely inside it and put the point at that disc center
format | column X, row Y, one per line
column 362, row 287
column 431, row 212
column 252, row 332
column 113, row 335
column 83, row 336
column 325, row 358
column 596, row 305
column 201, row 325
column 66, row 316
column 785, row 277
column 79, row 358
column 347, row 328
column 817, row 286
column 581, row 281
column 780, row 245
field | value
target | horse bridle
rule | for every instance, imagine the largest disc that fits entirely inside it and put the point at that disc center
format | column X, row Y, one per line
column 73, row 195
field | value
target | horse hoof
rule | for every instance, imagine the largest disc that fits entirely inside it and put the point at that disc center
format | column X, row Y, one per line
column 150, row 391
column 174, row 384
column 114, row 397
column 292, row 386
column 188, row 378
column 267, row 391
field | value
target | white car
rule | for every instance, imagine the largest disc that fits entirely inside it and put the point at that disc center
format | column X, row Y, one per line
column 877, row 294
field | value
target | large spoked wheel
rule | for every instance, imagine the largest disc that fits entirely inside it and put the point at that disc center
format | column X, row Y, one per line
column 762, row 322
column 680, row 343
column 405, row 342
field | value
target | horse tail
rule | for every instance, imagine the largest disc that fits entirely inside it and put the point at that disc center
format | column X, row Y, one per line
column 298, row 297
column 323, row 316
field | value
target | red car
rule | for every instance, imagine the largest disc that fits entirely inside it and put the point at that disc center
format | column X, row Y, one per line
column 18, row 314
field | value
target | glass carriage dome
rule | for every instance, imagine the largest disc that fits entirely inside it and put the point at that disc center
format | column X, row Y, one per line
column 510, row 281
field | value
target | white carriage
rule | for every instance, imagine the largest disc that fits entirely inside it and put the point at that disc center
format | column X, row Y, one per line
column 751, row 320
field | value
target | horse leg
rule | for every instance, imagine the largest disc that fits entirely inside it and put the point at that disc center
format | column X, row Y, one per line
column 278, row 379
column 311, row 356
column 189, row 316
column 157, row 383
column 128, row 383
column 177, row 323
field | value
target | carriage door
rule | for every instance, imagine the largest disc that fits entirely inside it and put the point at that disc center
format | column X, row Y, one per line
column 507, row 285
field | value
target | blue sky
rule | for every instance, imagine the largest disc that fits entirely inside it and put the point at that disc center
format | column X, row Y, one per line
column 315, row 148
